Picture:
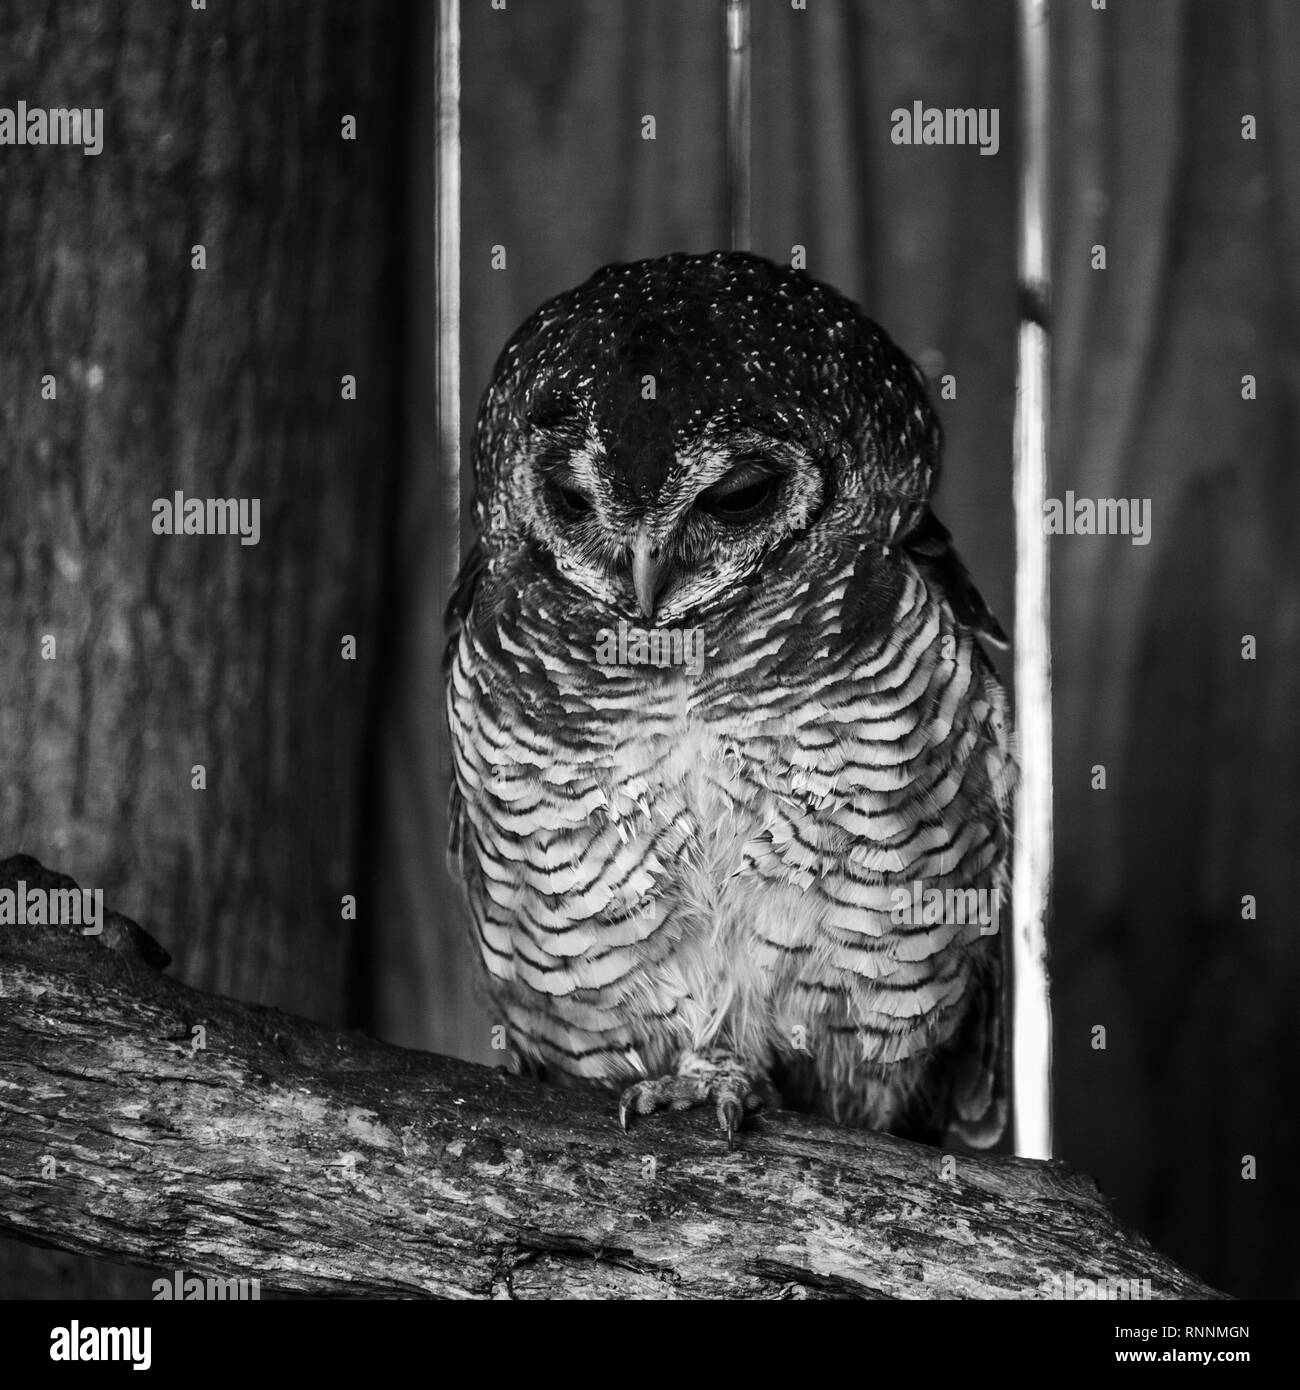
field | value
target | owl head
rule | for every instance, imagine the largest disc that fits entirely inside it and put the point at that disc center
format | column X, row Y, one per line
column 658, row 433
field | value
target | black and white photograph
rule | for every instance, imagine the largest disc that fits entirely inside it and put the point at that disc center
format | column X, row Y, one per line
column 649, row 651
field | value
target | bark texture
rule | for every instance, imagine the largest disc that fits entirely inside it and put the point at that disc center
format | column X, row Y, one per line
column 149, row 1122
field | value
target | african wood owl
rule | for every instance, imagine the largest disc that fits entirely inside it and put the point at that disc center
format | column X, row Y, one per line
column 732, row 771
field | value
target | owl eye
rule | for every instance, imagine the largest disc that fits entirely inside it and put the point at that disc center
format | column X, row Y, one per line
column 570, row 502
column 552, row 411
column 740, row 495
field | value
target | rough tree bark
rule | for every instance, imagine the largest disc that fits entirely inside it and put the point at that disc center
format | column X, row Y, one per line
column 149, row 1121
column 222, row 128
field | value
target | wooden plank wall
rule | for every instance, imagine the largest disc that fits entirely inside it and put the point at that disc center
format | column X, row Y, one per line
column 1202, row 756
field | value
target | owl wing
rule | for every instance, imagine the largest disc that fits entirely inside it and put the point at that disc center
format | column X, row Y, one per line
column 457, row 615
column 968, row 1089
column 978, row 1112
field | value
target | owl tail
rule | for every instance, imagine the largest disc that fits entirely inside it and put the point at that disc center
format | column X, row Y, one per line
column 978, row 1113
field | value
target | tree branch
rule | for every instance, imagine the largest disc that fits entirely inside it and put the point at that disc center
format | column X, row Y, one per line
column 323, row 1162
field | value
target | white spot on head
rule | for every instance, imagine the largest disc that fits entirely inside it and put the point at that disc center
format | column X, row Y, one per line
column 68, row 565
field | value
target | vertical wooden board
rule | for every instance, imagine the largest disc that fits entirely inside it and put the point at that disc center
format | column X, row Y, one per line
column 412, row 972
column 221, row 128
column 554, row 170
column 225, row 382
column 923, row 237
column 1201, row 748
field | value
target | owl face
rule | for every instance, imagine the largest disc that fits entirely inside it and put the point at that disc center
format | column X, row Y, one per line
column 658, row 433
column 726, row 498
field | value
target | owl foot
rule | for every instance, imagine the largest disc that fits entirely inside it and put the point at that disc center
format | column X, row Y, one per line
column 702, row 1077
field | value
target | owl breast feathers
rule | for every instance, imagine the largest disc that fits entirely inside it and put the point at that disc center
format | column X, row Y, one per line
column 732, row 772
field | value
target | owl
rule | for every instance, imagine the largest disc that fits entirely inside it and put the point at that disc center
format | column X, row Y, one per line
column 732, row 770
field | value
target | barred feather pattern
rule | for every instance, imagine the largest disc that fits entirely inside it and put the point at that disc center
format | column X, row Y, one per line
column 659, row 862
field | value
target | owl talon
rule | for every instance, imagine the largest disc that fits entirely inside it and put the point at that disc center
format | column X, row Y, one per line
column 731, row 1115
column 673, row 1092
column 700, row 1079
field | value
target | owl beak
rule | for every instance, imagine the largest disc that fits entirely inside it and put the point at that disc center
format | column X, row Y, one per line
column 649, row 567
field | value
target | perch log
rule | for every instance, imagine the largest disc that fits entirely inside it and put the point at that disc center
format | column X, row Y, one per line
column 148, row 1122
